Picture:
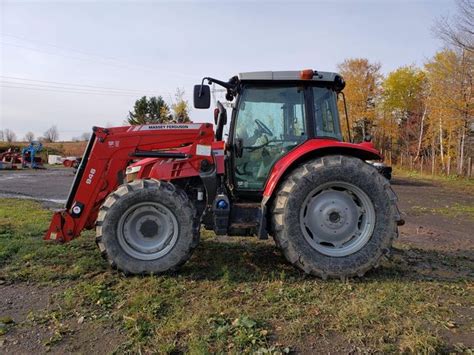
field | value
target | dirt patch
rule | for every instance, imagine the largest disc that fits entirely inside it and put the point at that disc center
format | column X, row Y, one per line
column 39, row 327
column 330, row 343
column 438, row 233
column 90, row 337
column 434, row 231
column 18, row 301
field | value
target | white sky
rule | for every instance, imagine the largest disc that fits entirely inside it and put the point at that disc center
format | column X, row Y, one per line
column 152, row 47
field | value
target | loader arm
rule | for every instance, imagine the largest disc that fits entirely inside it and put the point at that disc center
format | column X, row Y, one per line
column 103, row 165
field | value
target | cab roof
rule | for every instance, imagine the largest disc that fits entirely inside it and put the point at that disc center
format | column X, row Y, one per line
column 285, row 75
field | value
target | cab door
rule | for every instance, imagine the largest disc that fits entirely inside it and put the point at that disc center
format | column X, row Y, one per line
column 269, row 122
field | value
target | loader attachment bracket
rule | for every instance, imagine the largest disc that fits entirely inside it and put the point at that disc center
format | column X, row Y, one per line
column 61, row 228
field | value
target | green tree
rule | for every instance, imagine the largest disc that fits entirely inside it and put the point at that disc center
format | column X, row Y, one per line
column 149, row 110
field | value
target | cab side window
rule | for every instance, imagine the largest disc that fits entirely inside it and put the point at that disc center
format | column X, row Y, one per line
column 326, row 114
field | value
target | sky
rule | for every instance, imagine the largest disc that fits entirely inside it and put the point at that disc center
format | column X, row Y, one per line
column 78, row 64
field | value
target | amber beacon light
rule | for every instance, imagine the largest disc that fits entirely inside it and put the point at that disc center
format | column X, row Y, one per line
column 307, row 74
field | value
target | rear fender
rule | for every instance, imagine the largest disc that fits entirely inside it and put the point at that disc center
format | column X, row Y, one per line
column 310, row 150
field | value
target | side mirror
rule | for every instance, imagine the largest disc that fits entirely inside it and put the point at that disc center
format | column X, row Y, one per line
column 202, row 96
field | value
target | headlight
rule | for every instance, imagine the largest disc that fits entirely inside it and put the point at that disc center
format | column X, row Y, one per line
column 133, row 169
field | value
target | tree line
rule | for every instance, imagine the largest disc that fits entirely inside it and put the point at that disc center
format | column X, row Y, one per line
column 50, row 135
column 414, row 112
column 145, row 110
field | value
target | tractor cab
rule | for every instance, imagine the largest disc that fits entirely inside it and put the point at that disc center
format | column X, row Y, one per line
column 272, row 113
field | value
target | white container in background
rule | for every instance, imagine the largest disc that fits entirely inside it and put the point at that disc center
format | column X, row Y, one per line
column 55, row 159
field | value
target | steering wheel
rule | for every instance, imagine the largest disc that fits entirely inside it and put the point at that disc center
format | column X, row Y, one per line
column 263, row 127
column 245, row 171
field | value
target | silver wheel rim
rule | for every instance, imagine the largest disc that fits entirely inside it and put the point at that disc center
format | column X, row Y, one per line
column 337, row 219
column 147, row 231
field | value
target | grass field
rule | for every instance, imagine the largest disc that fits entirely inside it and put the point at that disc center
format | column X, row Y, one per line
column 448, row 181
column 233, row 296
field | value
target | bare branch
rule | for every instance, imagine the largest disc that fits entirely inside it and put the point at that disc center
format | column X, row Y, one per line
column 458, row 31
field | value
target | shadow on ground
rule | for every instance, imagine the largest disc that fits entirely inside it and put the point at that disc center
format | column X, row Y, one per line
column 411, row 182
column 245, row 261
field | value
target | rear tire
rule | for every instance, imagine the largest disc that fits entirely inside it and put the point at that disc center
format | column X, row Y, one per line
column 335, row 216
column 147, row 227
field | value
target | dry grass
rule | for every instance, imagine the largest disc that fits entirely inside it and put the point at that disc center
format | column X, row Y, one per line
column 59, row 148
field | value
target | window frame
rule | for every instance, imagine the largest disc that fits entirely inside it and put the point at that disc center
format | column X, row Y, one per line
column 314, row 118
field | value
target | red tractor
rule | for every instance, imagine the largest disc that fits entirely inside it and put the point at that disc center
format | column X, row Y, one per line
column 284, row 171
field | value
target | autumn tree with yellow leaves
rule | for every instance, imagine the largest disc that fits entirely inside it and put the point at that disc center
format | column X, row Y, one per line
column 180, row 107
column 450, row 103
column 415, row 112
column 362, row 90
column 403, row 109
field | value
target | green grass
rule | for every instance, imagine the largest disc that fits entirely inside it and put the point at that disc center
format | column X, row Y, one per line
column 455, row 210
column 25, row 256
column 238, row 296
column 452, row 181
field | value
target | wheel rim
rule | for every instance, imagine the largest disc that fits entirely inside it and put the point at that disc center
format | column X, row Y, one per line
column 147, row 231
column 337, row 219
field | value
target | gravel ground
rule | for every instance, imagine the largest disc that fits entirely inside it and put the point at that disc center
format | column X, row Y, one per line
column 46, row 185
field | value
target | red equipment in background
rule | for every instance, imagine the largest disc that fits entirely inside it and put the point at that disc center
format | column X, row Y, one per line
column 10, row 159
column 72, row 162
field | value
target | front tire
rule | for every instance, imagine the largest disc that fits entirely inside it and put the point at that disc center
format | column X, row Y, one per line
column 147, row 227
column 335, row 216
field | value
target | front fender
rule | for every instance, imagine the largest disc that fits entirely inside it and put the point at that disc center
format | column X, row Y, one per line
column 312, row 149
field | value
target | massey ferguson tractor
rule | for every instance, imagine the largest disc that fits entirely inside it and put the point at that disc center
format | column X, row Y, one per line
column 284, row 171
